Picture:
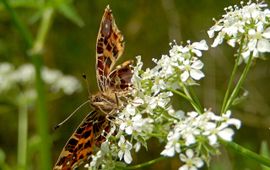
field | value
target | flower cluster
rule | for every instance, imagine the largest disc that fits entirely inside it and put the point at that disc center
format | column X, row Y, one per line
column 246, row 26
column 22, row 79
column 199, row 130
column 149, row 110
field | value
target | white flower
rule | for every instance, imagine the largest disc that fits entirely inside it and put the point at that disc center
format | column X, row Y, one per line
column 137, row 146
column 125, row 147
column 68, row 84
column 247, row 26
column 6, row 77
column 231, row 121
column 196, row 47
column 191, row 161
column 213, row 131
column 95, row 159
column 173, row 144
column 191, row 70
column 220, row 128
column 133, row 124
column 51, row 76
column 25, row 74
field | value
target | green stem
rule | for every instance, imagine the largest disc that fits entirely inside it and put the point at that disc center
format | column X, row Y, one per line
column 246, row 153
column 193, row 102
column 42, row 32
column 139, row 166
column 185, row 97
column 42, row 117
column 196, row 99
column 22, row 134
column 239, row 84
column 229, row 87
column 235, row 67
column 179, row 93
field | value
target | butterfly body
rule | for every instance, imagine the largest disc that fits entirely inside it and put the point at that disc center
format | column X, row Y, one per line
column 107, row 102
column 114, row 86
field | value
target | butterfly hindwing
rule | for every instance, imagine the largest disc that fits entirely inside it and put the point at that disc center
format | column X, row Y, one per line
column 120, row 78
column 80, row 146
column 109, row 48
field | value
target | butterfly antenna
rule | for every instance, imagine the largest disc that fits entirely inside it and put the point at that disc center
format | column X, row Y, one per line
column 64, row 121
column 87, row 83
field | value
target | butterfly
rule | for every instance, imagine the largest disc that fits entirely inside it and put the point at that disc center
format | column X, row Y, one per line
column 114, row 86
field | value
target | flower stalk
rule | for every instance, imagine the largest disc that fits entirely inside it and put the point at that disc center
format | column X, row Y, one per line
column 246, row 153
column 22, row 133
column 145, row 164
column 235, row 68
column 42, row 116
column 239, row 84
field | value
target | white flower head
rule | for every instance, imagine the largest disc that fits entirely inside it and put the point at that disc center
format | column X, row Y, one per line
column 247, row 26
column 192, row 162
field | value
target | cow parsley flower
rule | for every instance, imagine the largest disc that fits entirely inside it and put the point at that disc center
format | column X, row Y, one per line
column 191, row 161
column 191, row 69
column 23, row 77
column 125, row 147
column 247, row 26
column 193, row 128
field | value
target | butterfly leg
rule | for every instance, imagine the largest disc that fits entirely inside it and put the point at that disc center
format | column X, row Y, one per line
column 117, row 99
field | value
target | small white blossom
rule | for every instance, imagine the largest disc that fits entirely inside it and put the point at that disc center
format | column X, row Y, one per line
column 191, row 70
column 129, row 125
column 173, row 145
column 125, row 147
column 68, row 84
column 192, row 162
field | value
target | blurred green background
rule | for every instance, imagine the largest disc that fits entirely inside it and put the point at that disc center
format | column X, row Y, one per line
column 148, row 27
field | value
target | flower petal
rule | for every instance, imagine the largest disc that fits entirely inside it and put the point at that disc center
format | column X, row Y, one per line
column 263, row 45
column 196, row 74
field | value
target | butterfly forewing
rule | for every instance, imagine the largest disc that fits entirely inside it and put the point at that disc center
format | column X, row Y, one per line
column 109, row 48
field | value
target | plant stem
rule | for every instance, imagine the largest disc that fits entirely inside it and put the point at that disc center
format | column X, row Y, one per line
column 196, row 99
column 239, row 84
column 22, row 134
column 139, row 166
column 42, row 31
column 246, row 153
column 42, row 117
column 230, row 84
column 235, row 67
column 185, row 97
column 195, row 105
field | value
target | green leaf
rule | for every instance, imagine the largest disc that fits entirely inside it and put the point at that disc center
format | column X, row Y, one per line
column 69, row 12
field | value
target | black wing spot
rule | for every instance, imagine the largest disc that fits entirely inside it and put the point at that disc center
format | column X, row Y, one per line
column 86, row 134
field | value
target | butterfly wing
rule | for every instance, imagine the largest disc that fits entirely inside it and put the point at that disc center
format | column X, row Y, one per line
column 109, row 48
column 80, row 146
column 120, row 78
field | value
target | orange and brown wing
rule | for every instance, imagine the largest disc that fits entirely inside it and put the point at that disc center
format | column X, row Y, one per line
column 120, row 78
column 80, row 146
column 109, row 48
